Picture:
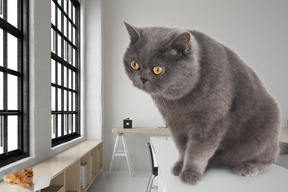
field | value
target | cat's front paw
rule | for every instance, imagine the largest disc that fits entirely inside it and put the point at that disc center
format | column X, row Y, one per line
column 177, row 168
column 190, row 177
column 26, row 185
column 250, row 169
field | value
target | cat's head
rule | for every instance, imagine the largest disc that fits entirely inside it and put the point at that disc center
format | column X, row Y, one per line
column 162, row 61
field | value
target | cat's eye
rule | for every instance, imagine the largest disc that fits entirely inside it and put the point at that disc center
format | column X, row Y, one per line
column 157, row 70
column 134, row 65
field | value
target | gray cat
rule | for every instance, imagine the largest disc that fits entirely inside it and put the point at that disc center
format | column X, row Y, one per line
column 218, row 111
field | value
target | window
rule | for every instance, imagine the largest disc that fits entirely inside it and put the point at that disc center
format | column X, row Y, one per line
column 14, row 132
column 65, row 75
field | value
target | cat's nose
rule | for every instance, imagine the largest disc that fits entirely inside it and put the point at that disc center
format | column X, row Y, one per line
column 143, row 80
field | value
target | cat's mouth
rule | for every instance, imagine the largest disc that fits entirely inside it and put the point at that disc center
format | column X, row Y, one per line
column 145, row 87
column 150, row 88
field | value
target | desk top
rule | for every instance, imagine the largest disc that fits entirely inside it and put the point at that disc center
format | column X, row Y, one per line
column 215, row 179
column 141, row 130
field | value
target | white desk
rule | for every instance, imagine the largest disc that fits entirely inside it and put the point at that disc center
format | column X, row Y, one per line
column 274, row 178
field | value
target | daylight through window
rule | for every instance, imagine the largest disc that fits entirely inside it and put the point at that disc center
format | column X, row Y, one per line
column 65, row 86
column 13, row 81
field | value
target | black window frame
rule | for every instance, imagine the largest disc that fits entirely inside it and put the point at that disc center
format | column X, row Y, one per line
column 65, row 62
column 21, row 32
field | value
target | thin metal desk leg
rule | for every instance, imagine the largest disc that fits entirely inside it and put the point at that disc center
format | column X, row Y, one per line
column 120, row 153
column 114, row 152
column 127, row 154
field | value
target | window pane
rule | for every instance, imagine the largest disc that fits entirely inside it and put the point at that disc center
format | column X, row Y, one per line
column 53, row 126
column 1, row 47
column 53, row 42
column 69, row 101
column 59, row 2
column 74, row 123
column 1, row 11
column 12, row 133
column 69, row 54
column 73, row 9
column 59, row 48
column 65, row 50
column 59, row 23
column 65, row 124
column 65, row 100
column 70, row 120
column 68, row 78
column 1, row 91
column 73, row 81
column 12, row 92
column 12, row 52
column 53, row 101
column 74, row 35
column 59, row 125
column 74, row 101
column 1, row 134
column 1, row 146
column 74, row 58
column 53, row 68
column 65, row 5
column 12, row 7
column 65, row 77
column 70, row 32
column 59, row 100
column 70, row 10
column 65, row 26
column 52, row 12
column 59, row 69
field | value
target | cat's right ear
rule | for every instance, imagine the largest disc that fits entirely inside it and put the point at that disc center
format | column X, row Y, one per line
column 134, row 34
column 181, row 43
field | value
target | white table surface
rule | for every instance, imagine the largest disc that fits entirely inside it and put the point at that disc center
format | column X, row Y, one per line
column 274, row 178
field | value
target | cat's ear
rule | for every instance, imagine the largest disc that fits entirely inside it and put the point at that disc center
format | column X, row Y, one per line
column 133, row 32
column 182, row 42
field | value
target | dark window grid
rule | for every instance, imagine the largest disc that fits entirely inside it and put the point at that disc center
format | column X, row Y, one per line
column 70, row 19
column 67, row 47
column 69, row 92
column 22, row 113
column 57, row 32
column 58, row 57
column 60, row 87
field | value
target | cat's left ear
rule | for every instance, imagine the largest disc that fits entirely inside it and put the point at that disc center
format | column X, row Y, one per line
column 182, row 42
column 133, row 32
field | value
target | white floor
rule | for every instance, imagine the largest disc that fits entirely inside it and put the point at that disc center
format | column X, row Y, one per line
column 121, row 181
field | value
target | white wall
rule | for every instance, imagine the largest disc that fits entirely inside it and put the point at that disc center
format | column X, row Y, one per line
column 256, row 30
column 92, row 55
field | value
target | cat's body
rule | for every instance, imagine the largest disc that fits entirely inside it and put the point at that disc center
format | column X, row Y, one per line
column 23, row 178
column 217, row 110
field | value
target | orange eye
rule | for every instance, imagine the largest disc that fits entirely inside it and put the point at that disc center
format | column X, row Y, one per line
column 157, row 70
column 134, row 65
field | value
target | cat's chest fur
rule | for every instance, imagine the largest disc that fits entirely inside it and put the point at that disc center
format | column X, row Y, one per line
column 179, row 113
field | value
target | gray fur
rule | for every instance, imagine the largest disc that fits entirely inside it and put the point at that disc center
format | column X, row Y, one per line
column 217, row 109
